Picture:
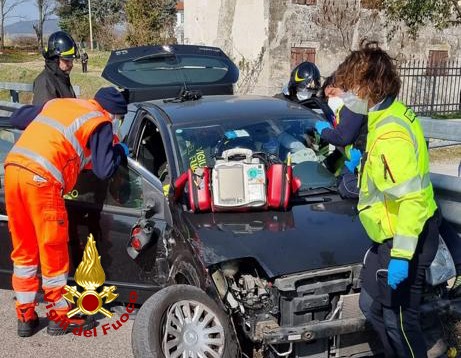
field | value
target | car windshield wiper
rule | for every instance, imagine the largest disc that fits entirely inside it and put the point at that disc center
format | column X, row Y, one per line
column 300, row 200
column 317, row 191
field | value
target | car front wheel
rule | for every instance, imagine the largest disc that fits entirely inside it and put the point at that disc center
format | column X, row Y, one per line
column 182, row 321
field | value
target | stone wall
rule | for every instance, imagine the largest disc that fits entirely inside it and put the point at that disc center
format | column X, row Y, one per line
column 259, row 34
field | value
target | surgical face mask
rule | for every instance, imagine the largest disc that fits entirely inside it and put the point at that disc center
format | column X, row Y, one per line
column 354, row 103
column 303, row 95
column 335, row 103
column 117, row 120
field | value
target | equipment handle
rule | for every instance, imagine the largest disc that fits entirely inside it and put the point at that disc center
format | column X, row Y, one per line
column 238, row 151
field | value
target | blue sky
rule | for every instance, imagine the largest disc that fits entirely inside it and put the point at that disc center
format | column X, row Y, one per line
column 28, row 11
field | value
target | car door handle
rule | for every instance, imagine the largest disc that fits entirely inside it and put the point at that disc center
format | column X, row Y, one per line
column 3, row 217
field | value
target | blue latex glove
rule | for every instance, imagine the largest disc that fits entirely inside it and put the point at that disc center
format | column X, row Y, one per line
column 126, row 150
column 397, row 271
column 353, row 162
column 321, row 125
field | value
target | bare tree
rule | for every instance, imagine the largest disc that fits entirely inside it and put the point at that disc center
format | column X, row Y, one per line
column 6, row 6
column 45, row 9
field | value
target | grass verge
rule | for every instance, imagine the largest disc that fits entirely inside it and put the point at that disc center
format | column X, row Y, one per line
column 24, row 68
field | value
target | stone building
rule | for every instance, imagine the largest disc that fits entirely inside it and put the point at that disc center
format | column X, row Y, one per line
column 266, row 38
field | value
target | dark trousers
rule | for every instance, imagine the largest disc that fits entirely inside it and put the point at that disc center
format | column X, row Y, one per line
column 84, row 67
column 394, row 314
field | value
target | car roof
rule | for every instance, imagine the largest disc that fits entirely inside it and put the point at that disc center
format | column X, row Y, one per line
column 223, row 108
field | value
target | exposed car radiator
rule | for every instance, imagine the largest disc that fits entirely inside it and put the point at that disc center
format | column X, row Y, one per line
column 350, row 345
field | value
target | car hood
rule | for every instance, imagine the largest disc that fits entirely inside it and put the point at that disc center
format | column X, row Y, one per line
column 307, row 237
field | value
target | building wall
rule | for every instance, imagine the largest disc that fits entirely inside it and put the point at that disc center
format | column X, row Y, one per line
column 259, row 36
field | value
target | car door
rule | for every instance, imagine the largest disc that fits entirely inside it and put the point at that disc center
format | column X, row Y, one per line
column 109, row 210
column 114, row 211
column 8, row 137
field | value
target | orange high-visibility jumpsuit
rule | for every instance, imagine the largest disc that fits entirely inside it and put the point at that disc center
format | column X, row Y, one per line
column 44, row 164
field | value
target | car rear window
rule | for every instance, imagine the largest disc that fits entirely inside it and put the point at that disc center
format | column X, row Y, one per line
column 170, row 70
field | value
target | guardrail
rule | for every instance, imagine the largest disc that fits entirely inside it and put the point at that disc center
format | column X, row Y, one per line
column 16, row 87
column 444, row 129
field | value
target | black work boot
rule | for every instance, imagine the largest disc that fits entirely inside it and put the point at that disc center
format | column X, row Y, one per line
column 27, row 320
column 62, row 324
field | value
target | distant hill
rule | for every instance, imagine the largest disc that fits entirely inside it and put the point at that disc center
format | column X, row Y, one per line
column 25, row 28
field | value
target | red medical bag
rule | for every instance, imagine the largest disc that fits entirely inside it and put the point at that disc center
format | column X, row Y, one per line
column 199, row 193
column 279, row 177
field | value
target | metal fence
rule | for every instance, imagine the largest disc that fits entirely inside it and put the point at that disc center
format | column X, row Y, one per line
column 431, row 87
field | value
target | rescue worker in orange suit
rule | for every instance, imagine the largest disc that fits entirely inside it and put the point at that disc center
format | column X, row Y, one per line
column 60, row 138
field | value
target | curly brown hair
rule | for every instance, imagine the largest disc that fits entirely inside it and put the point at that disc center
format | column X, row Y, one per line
column 370, row 72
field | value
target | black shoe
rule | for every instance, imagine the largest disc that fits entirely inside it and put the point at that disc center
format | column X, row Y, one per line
column 63, row 325
column 27, row 328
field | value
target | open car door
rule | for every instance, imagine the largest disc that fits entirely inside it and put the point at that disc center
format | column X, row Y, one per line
column 114, row 211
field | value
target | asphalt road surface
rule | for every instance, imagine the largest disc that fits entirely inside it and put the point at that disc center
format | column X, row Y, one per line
column 115, row 343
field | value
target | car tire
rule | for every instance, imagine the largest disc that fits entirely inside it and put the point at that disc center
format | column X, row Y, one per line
column 180, row 315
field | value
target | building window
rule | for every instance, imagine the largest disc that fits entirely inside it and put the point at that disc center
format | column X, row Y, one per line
column 437, row 63
column 301, row 54
column 304, row 2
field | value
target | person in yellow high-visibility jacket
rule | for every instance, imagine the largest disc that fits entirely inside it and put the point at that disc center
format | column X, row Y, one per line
column 396, row 203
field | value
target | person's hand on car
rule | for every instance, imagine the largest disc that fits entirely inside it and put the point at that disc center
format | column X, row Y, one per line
column 321, row 125
column 353, row 162
column 397, row 271
column 125, row 148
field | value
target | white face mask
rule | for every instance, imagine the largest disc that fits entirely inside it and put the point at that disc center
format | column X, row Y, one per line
column 335, row 103
column 116, row 122
column 303, row 95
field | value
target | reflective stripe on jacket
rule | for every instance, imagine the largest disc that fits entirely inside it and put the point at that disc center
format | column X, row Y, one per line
column 54, row 145
column 396, row 195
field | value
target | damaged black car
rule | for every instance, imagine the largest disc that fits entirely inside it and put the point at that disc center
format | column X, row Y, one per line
column 222, row 266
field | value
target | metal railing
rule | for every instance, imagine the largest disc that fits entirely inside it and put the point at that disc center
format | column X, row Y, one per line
column 15, row 88
column 431, row 87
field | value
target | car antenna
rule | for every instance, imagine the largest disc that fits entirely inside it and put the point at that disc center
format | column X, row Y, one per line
column 184, row 94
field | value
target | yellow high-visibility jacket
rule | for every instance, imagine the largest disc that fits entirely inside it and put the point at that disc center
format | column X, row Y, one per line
column 396, row 196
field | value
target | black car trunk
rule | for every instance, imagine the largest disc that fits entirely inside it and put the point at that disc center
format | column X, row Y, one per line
column 154, row 72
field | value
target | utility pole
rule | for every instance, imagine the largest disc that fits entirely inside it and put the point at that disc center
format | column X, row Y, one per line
column 91, row 27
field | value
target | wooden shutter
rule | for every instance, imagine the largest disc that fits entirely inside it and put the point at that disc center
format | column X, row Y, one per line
column 436, row 65
column 301, row 54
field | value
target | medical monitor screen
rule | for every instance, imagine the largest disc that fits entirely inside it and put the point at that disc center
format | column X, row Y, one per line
column 231, row 186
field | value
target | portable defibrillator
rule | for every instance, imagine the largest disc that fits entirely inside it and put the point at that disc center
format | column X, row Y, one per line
column 238, row 183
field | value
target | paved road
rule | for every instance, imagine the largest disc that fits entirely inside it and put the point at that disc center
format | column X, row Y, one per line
column 113, row 344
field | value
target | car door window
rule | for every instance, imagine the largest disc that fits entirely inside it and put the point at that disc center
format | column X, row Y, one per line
column 151, row 151
column 123, row 189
